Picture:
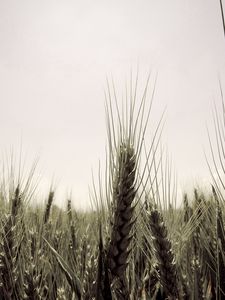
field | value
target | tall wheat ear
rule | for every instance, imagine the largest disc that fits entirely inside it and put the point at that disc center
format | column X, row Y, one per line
column 125, row 179
column 124, row 193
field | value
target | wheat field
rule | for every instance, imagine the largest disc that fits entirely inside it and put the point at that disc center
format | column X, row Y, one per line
column 137, row 242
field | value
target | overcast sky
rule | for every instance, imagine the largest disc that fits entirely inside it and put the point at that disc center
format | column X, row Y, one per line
column 54, row 59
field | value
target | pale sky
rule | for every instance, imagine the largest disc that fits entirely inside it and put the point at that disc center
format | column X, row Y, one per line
column 54, row 59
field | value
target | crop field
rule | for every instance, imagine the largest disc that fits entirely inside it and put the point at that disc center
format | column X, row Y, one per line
column 136, row 242
column 140, row 240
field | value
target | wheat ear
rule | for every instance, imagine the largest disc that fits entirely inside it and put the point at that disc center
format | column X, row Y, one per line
column 123, row 196
column 164, row 255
